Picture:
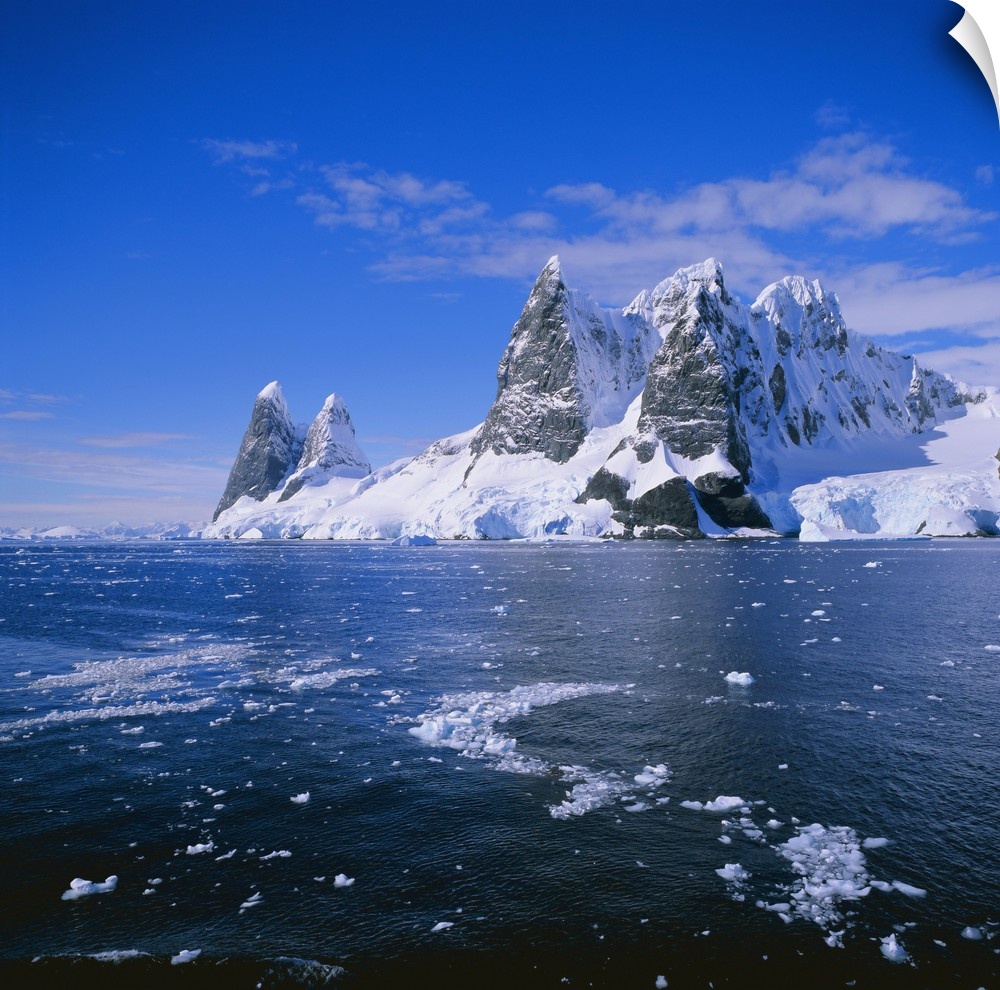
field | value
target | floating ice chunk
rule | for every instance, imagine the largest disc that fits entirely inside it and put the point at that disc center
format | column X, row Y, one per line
column 733, row 872
column 725, row 802
column 79, row 887
column 892, row 950
column 972, row 934
column 342, row 880
column 277, row 854
column 818, row 612
column 252, row 901
column 201, row 847
column 228, row 855
column 757, row 604
column 908, row 890
column 831, row 868
column 693, row 805
column 653, row 776
column 874, row 563
column 875, row 843
column 590, row 790
column 150, row 745
column 443, row 925
column 185, row 956
column 661, row 983
column 878, row 687
column 742, row 679
column 782, row 766
column 500, row 610
column 992, row 648
column 302, row 798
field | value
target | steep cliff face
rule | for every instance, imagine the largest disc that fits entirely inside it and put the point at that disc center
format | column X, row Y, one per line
column 270, row 449
column 569, row 366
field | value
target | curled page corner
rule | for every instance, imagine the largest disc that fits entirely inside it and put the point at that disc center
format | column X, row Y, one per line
column 978, row 32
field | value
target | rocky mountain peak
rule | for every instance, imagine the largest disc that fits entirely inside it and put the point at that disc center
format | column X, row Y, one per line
column 270, row 448
column 330, row 450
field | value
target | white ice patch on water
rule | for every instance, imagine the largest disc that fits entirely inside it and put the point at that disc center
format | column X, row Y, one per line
column 185, row 956
column 471, row 723
column 327, row 678
column 79, row 887
column 892, row 950
column 831, row 869
column 468, row 722
column 342, row 880
column 742, row 679
column 302, row 798
column 252, row 901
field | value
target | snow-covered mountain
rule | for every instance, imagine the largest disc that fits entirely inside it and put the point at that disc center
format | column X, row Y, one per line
column 687, row 413
column 113, row 531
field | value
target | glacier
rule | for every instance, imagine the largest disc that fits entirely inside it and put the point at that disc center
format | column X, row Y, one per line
column 686, row 414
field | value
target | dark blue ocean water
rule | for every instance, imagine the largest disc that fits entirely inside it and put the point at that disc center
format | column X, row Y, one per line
column 468, row 722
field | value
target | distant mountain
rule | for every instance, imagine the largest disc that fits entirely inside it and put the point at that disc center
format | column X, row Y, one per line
column 685, row 414
column 113, row 531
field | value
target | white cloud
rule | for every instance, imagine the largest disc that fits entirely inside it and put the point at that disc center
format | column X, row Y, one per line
column 231, row 151
column 843, row 197
column 127, row 440
column 96, row 470
column 26, row 415
column 890, row 299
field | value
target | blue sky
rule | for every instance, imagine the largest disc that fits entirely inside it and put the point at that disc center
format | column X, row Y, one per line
column 196, row 199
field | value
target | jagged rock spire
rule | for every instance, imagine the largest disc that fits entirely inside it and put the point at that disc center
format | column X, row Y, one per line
column 269, row 449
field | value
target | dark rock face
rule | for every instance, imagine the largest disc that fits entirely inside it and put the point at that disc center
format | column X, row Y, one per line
column 667, row 511
column 270, row 449
column 691, row 401
column 776, row 383
column 728, row 504
column 538, row 406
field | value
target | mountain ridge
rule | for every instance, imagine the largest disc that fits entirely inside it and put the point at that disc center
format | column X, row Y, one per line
column 686, row 413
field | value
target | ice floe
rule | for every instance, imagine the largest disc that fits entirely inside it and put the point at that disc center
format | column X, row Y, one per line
column 892, row 950
column 471, row 723
column 742, row 679
column 79, row 887
column 302, row 798
column 185, row 956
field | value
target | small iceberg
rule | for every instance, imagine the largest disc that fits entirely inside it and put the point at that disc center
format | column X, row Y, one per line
column 83, row 888
column 419, row 540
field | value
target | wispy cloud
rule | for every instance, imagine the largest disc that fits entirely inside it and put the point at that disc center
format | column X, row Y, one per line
column 230, row 151
column 132, row 440
column 853, row 198
column 30, row 406
column 356, row 195
column 93, row 469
